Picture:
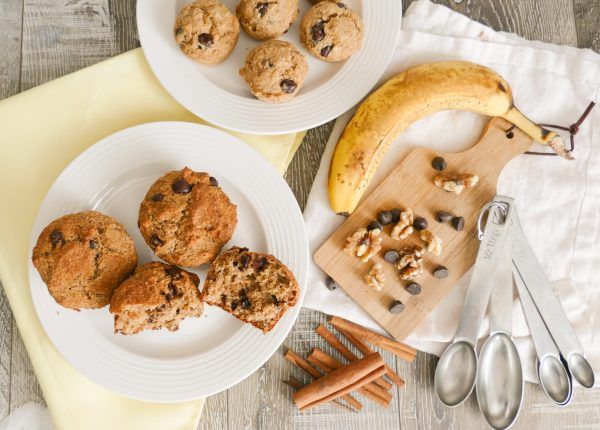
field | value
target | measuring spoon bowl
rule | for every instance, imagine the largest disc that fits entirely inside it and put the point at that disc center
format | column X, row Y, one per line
column 581, row 370
column 555, row 380
column 500, row 381
column 455, row 373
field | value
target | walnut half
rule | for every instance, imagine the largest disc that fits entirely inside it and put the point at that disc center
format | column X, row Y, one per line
column 410, row 262
column 364, row 243
column 404, row 227
column 434, row 243
column 456, row 184
column 375, row 278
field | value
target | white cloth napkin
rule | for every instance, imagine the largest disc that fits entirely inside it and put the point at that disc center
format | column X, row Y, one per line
column 558, row 200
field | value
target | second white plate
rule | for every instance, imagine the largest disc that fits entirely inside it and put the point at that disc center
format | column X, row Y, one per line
column 207, row 354
column 219, row 95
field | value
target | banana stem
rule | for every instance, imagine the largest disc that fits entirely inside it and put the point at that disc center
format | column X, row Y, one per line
column 537, row 133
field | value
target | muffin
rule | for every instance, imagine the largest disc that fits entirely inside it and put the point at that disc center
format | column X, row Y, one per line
column 331, row 31
column 206, row 31
column 255, row 288
column 156, row 296
column 264, row 20
column 83, row 257
column 274, row 71
column 186, row 218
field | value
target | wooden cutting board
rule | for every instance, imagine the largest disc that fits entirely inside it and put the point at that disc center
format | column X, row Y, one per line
column 411, row 185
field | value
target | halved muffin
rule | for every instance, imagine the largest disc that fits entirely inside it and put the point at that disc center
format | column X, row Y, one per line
column 156, row 296
column 255, row 288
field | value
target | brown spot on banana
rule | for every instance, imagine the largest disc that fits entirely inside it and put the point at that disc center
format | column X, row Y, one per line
column 407, row 97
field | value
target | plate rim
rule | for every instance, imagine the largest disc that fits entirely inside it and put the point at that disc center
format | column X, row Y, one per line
column 383, row 62
column 301, row 272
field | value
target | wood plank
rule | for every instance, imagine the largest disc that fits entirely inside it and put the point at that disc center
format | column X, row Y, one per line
column 122, row 19
column 214, row 415
column 587, row 22
column 11, row 19
column 6, row 327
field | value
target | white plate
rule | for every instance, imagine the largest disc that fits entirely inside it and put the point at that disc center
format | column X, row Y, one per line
column 219, row 95
column 208, row 354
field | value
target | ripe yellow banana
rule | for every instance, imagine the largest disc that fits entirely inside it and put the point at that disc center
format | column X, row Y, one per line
column 407, row 97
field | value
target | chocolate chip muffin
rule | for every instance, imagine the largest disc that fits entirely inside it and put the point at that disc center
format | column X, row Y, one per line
column 186, row 218
column 156, row 296
column 274, row 71
column 206, row 31
column 264, row 20
column 331, row 31
column 83, row 257
column 255, row 288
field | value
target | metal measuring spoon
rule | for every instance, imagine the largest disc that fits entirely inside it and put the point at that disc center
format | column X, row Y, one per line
column 554, row 378
column 500, row 382
column 457, row 369
column 549, row 307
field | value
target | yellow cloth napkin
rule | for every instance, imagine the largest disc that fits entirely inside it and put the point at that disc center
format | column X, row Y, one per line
column 41, row 131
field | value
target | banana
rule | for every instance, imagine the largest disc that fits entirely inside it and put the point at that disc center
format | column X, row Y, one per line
column 407, row 97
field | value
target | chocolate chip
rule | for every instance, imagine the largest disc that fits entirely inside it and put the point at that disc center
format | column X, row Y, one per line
column 181, row 186
column 413, row 288
column 178, row 31
column 385, row 217
column 420, row 223
column 93, row 244
column 342, row 5
column 234, row 305
column 155, row 241
column 391, row 256
column 396, row 306
column 274, row 299
column 440, row 272
column 395, row 214
column 158, row 197
column 510, row 135
column 326, row 50
column 57, row 238
column 259, row 264
column 288, row 86
column 173, row 292
column 317, row 31
column 174, row 272
column 443, row 216
column 213, row 182
column 374, row 225
column 223, row 298
column 458, row 223
column 262, row 8
column 246, row 303
column 344, row 214
column 205, row 40
column 331, row 284
column 244, row 260
column 438, row 163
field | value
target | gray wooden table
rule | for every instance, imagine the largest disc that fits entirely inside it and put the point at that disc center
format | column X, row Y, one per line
column 41, row 40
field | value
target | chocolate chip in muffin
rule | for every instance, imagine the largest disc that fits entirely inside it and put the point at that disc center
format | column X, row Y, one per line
column 326, row 50
column 93, row 244
column 57, row 238
column 155, row 240
column 213, row 181
column 181, row 186
column 317, row 31
column 288, row 86
column 262, row 8
column 158, row 197
column 205, row 40
column 244, row 260
column 246, row 303
column 260, row 264
column 342, row 5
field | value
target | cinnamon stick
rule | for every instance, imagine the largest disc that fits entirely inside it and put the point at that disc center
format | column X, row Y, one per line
column 326, row 362
column 365, row 349
column 339, row 382
column 294, row 358
column 294, row 383
column 398, row 348
column 332, row 340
